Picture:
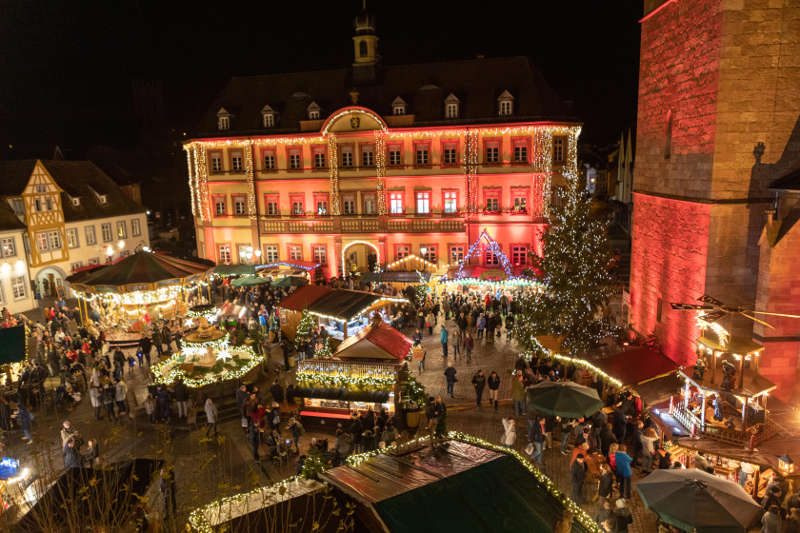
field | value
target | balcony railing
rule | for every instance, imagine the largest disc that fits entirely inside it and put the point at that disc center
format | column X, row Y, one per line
column 360, row 224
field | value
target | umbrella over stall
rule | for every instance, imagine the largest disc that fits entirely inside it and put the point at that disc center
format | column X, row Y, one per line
column 566, row 399
column 694, row 500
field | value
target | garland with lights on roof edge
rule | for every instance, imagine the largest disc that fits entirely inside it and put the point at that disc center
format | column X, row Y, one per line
column 576, row 277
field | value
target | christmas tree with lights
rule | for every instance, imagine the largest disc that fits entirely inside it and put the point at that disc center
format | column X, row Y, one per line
column 575, row 273
column 302, row 334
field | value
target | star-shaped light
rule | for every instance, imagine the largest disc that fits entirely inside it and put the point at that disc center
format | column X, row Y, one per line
column 223, row 355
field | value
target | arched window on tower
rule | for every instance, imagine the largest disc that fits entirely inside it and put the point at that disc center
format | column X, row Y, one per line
column 362, row 49
column 668, row 136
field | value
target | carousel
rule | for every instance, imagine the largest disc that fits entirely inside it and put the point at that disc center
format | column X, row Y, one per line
column 124, row 298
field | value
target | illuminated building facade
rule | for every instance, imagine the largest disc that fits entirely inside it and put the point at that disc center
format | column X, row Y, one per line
column 360, row 166
column 717, row 124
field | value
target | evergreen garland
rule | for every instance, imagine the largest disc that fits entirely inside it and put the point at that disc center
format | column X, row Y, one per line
column 575, row 273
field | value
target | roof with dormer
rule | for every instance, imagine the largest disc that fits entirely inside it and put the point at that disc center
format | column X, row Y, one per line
column 477, row 83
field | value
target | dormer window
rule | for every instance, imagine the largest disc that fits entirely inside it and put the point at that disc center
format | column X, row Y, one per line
column 313, row 111
column 76, row 201
column 102, row 198
column 223, row 119
column 398, row 106
column 451, row 106
column 505, row 104
column 267, row 117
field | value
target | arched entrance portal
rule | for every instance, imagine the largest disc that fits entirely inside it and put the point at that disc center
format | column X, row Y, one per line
column 360, row 256
column 50, row 282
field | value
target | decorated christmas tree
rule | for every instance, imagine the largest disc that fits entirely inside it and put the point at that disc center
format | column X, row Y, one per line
column 575, row 272
column 304, row 328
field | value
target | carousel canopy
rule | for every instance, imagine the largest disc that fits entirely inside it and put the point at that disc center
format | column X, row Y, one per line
column 142, row 270
column 377, row 341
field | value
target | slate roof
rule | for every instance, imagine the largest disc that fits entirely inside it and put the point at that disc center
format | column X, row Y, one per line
column 82, row 179
column 8, row 220
column 476, row 82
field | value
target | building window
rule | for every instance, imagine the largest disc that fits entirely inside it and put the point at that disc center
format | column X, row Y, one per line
column 493, row 152
column 558, row 149
column 271, row 253
column 271, row 205
column 18, row 206
column 269, row 160
column 313, row 111
column 456, row 254
column 347, row 157
column 659, row 306
column 421, row 151
column 76, row 266
column 320, row 254
column 451, row 106
column 220, row 205
column 294, row 160
column 423, row 202
column 519, row 255
column 239, row 205
column 321, row 204
column 136, row 227
column 216, row 162
column 398, row 106
column 396, row 203
column 91, row 236
column 54, row 237
column 520, row 153
column 520, row 198
column 223, row 122
column 49, row 241
column 394, row 156
column 94, row 261
column 370, row 204
column 236, row 161
column 18, row 289
column 450, row 201
column 367, row 156
column 298, row 204
column 401, row 251
column 319, row 159
column 429, row 253
column 450, row 154
column 72, row 238
column 295, row 252
column 224, row 256
column 490, row 258
column 491, row 198
column 505, row 108
column 122, row 229
column 8, row 247
column 363, row 49
column 348, row 204
column 267, row 117
column 105, row 231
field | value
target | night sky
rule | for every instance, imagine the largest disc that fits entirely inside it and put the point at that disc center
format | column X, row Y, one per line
column 68, row 68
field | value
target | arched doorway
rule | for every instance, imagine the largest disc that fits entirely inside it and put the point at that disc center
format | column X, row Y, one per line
column 50, row 282
column 360, row 256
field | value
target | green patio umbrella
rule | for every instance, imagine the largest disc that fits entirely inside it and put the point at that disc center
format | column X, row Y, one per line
column 249, row 281
column 566, row 399
column 290, row 281
column 235, row 270
column 693, row 500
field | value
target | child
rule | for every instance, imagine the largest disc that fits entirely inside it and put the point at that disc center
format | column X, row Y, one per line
column 131, row 364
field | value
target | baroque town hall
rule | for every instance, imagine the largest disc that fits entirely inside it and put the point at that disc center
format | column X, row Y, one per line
column 357, row 167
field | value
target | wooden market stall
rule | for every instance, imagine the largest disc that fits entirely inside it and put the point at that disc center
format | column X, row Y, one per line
column 363, row 373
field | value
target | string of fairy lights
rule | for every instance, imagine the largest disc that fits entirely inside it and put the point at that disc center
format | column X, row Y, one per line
column 497, row 252
column 199, row 518
column 574, row 361
column 249, row 173
column 380, row 169
column 333, row 174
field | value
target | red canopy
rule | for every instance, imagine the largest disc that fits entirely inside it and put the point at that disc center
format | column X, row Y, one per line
column 377, row 341
column 303, row 297
column 636, row 365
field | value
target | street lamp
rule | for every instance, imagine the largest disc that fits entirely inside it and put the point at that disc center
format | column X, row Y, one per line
column 109, row 250
column 120, row 244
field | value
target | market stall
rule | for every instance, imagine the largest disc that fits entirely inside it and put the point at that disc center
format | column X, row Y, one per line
column 127, row 296
column 289, row 273
column 340, row 312
column 361, row 374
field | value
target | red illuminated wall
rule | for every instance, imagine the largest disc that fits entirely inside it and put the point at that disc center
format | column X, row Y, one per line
column 668, row 262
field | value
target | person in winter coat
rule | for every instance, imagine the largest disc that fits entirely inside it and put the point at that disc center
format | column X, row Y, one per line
column 72, row 458
column 211, row 416
column 509, row 432
column 121, row 395
column 577, row 477
column 478, row 382
column 469, row 345
column 24, row 419
column 622, row 517
column 623, row 462
column 606, row 482
column 772, row 522
column 450, row 378
column 443, row 338
column 494, row 386
column 518, row 394
column 181, row 393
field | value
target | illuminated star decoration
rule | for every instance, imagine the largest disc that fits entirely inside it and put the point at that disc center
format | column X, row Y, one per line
column 223, row 355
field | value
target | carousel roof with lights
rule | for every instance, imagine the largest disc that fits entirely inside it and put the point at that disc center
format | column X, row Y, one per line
column 140, row 271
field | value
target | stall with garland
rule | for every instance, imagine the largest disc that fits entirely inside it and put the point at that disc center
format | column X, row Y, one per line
column 125, row 297
column 289, row 273
column 363, row 373
column 340, row 312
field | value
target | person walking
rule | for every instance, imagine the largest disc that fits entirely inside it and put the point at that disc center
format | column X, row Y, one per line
column 622, row 517
column 181, row 393
column 167, row 488
column 623, row 461
column 577, row 478
column 606, row 485
column 494, row 387
column 518, row 394
column 479, row 382
column 469, row 345
column 450, row 378
column 537, row 438
column 509, row 432
column 121, row 395
column 443, row 338
column 458, row 341
column 24, row 419
column 211, row 416
column 72, row 458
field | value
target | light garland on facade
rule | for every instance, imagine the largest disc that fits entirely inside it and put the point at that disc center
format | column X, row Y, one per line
column 249, row 173
column 333, row 174
column 380, row 170
column 202, row 182
column 471, row 160
column 402, row 260
column 190, row 172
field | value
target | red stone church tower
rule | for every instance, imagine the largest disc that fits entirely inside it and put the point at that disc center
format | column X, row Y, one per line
column 719, row 100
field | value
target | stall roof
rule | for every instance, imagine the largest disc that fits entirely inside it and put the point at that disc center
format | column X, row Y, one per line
column 377, row 341
column 753, row 383
column 142, row 268
column 637, row 365
column 465, row 486
column 740, row 345
column 344, row 304
column 303, row 297
column 395, row 277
